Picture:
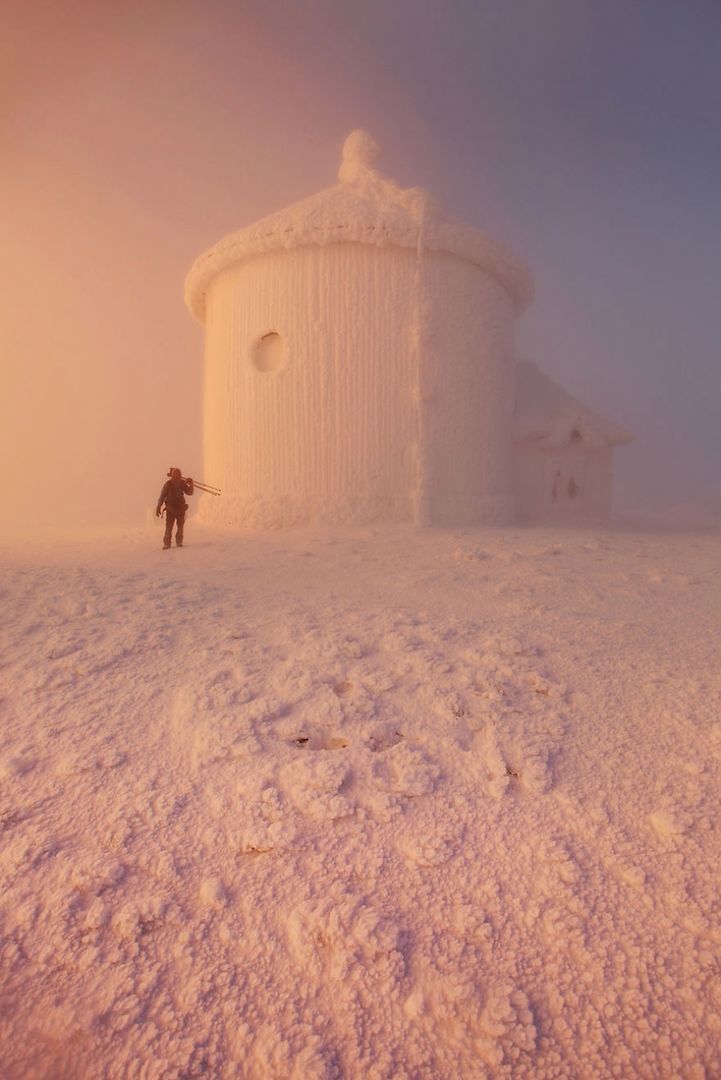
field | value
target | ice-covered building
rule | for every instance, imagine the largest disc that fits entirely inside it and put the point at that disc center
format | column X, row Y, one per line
column 359, row 360
column 562, row 452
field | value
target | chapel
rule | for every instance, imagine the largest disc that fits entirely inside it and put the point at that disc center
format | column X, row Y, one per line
column 360, row 367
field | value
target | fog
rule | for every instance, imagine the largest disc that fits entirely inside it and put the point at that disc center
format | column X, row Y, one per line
column 134, row 136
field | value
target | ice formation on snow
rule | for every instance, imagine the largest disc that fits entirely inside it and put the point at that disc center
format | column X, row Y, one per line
column 271, row 812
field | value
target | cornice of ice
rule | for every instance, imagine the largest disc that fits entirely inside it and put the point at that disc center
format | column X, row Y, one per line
column 547, row 416
column 364, row 207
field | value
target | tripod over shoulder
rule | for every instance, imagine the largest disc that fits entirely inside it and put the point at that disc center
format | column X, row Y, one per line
column 207, row 488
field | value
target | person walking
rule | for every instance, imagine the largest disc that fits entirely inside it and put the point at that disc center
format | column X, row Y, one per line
column 173, row 498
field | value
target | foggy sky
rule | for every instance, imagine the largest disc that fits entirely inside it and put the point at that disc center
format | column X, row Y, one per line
column 583, row 133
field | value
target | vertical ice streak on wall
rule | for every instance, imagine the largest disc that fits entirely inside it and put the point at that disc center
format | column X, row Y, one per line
column 229, row 406
column 216, row 431
column 421, row 493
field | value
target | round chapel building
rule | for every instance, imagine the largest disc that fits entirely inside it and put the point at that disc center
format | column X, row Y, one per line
column 359, row 361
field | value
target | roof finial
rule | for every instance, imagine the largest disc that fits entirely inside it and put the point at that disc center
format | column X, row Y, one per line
column 360, row 152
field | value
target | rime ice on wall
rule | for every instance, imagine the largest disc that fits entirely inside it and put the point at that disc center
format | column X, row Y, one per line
column 329, row 433
column 359, row 360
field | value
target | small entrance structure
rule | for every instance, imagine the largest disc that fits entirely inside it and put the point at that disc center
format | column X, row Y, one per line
column 562, row 453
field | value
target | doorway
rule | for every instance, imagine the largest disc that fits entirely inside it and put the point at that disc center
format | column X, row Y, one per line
column 565, row 480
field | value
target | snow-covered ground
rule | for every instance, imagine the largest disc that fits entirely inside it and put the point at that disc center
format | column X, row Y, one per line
column 361, row 803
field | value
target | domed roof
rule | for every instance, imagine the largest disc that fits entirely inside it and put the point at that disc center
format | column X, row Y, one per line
column 363, row 207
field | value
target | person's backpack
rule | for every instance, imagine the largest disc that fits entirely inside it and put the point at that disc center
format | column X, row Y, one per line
column 175, row 497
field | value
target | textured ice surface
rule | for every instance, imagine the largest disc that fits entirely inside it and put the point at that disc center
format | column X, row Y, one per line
column 377, row 410
column 361, row 803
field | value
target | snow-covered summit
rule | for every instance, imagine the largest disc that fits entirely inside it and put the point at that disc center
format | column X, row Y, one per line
column 364, row 207
column 361, row 803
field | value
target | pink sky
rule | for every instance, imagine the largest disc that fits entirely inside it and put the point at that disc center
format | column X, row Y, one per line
column 135, row 136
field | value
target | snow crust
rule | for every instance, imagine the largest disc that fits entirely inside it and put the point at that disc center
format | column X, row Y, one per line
column 361, row 803
column 363, row 208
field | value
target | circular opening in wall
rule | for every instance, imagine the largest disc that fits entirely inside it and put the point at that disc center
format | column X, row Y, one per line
column 268, row 352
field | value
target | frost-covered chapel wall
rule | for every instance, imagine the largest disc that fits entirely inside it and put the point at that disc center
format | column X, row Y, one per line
column 328, row 434
column 468, row 365
column 321, row 365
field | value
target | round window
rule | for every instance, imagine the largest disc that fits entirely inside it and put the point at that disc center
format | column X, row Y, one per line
column 268, row 352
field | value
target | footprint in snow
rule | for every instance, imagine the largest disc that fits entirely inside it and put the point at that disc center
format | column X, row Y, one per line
column 412, row 773
column 384, row 738
column 320, row 740
column 314, row 784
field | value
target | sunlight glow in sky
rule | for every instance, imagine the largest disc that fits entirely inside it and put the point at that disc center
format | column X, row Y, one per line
column 583, row 135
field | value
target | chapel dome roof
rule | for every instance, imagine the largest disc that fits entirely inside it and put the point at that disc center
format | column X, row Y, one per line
column 363, row 207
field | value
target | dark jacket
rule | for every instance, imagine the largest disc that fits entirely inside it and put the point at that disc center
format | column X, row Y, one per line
column 173, row 495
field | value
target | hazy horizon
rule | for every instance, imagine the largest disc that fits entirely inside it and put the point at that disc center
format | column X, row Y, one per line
column 584, row 136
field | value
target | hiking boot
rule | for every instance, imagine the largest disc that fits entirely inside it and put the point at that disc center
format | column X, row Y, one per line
column 178, row 543
column 165, row 547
